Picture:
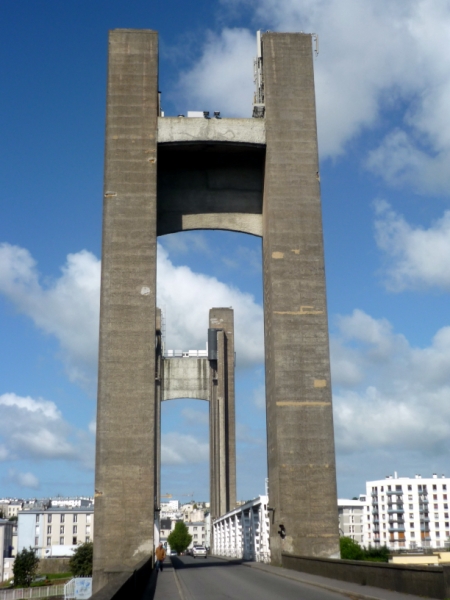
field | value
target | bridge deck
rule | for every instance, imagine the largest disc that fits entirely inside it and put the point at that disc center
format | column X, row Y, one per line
column 218, row 579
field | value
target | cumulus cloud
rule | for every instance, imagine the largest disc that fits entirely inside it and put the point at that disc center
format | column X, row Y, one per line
column 35, row 429
column 226, row 58
column 400, row 400
column 180, row 449
column 187, row 296
column 379, row 60
column 416, row 258
column 27, row 480
column 67, row 308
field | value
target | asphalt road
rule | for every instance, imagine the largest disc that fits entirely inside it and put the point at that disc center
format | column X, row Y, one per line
column 216, row 579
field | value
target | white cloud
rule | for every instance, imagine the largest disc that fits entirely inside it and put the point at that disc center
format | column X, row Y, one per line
column 27, row 480
column 4, row 453
column 195, row 417
column 35, row 429
column 180, row 449
column 259, row 397
column 416, row 258
column 379, row 60
column 226, row 58
column 401, row 399
column 67, row 308
column 187, row 297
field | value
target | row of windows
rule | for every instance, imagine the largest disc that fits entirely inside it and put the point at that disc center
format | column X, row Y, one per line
column 61, row 540
column 398, row 488
column 62, row 518
column 61, row 529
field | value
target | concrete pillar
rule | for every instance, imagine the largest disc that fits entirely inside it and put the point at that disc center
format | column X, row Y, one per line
column 222, row 416
column 301, row 460
column 125, row 454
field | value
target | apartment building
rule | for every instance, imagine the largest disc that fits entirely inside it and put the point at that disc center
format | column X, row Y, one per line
column 48, row 531
column 407, row 513
column 351, row 518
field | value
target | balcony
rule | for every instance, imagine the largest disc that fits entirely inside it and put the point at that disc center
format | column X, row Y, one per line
column 392, row 511
column 394, row 493
column 395, row 529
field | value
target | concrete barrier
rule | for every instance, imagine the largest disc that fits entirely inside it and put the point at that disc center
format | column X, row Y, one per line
column 431, row 582
column 127, row 586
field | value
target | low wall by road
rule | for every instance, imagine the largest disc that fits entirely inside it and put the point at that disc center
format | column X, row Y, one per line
column 53, row 565
column 431, row 582
column 129, row 586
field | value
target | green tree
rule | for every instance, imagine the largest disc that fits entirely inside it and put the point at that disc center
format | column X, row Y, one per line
column 350, row 549
column 80, row 563
column 180, row 538
column 25, row 567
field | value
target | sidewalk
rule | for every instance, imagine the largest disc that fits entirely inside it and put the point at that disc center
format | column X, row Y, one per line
column 166, row 585
column 353, row 590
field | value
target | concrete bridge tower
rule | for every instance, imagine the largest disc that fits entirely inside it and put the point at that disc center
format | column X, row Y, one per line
column 257, row 176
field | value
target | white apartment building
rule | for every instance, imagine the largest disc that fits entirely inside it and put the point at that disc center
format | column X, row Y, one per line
column 55, row 527
column 198, row 532
column 409, row 513
column 244, row 532
column 351, row 518
column 6, row 547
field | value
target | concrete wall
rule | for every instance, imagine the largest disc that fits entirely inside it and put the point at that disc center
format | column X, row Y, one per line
column 125, row 455
column 431, row 582
column 301, row 459
column 186, row 378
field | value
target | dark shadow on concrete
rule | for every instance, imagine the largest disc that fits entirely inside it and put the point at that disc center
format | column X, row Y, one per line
column 188, row 562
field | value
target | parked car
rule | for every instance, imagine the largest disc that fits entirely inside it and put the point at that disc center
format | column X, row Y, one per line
column 199, row 551
column 173, row 553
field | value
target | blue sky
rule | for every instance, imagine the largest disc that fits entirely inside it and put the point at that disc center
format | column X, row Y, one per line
column 383, row 97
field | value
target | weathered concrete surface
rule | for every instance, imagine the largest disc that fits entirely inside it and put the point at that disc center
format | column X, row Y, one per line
column 186, row 378
column 301, row 460
column 125, row 452
column 179, row 129
column 222, row 427
column 213, row 185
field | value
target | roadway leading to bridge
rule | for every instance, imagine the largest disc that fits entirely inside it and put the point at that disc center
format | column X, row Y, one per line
column 216, row 579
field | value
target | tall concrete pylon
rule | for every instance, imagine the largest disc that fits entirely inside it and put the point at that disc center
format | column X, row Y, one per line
column 257, row 176
column 209, row 378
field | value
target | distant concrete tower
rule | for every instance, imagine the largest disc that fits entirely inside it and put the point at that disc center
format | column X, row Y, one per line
column 257, row 176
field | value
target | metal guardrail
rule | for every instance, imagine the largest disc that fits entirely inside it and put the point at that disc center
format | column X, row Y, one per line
column 32, row 592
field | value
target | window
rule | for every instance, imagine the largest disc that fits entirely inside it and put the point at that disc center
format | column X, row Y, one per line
column 74, row 529
column 411, row 515
column 389, row 488
column 49, row 528
column 436, row 525
column 384, row 525
column 62, row 518
column 49, row 541
column 438, row 534
column 74, row 540
column 446, row 515
column 368, row 517
column 36, row 541
column 444, row 487
column 88, row 539
column 445, row 506
column 434, row 496
column 88, row 529
column 382, row 508
column 409, row 488
column 446, row 524
column 384, row 535
column 195, row 528
column 434, row 487
column 382, row 488
column 37, row 518
column 49, row 518
column 410, row 506
column 61, row 541
column 435, row 506
column 75, row 518
column 444, row 496
column 411, row 525
column 61, row 529
column 413, row 535
column 382, row 498
column 88, row 518
column 436, row 515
